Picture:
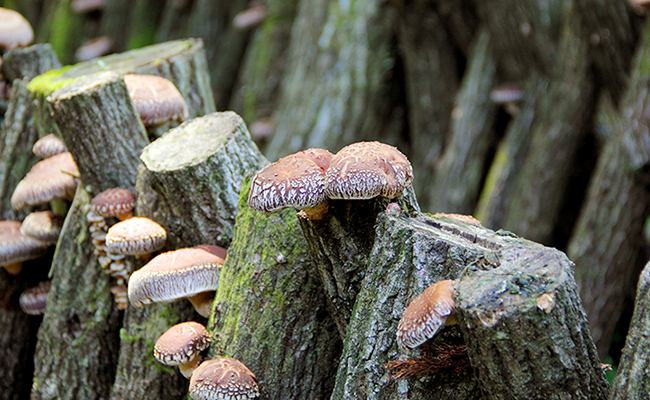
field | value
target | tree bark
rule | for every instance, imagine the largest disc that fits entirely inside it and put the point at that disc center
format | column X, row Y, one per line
column 430, row 73
column 608, row 237
column 460, row 171
column 269, row 310
column 342, row 52
column 631, row 381
column 28, row 62
column 207, row 156
column 527, row 334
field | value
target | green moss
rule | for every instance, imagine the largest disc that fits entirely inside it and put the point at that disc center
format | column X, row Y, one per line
column 48, row 82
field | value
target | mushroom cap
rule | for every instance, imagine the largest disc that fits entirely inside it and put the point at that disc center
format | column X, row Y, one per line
column 16, row 247
column 34, row 299
column 113, row 202
column 136, row 235
column 93, row 48
column 181, row 343
column 177, row 274
column 365, row 170
column 49, row 179
column 49, row 146
column 15, row 30
column 42, row 225
column 297, row 180
column 156, row 99
column 507, row 92
column 223, row 379
column 426, row 314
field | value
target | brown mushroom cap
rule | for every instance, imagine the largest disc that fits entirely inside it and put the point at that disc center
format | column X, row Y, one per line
column 16, row 247
column 181, row 345
column 156, row 99
column 135, row 236
column 49, row 179
column 177, row 274
column 223, row 379
column 49, row 146
column 365, row 170
column 42, row 225
column 33, row 300
column 15, row 30
column 113, row 202
column 297, row 180
column 93, row 48
column 426, row 314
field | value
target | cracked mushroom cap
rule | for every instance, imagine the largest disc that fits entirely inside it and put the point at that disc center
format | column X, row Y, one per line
column 42, row 225
column 365, row 170
column 223, row 379
column 297, row 180
column 177, row 274
column 181, row 345
column 114, row 202
column 15, row 30
column 34, row 299
column 49, row 146
column 135, row 236
column 156, row 99
column 426, row 314
column 16, row 247
column 49, row 179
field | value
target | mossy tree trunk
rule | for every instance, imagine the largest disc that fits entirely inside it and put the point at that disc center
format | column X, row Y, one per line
column 17, row 136
column 608, row 264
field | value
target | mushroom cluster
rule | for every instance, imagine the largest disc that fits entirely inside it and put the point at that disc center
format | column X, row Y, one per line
column 307, row 179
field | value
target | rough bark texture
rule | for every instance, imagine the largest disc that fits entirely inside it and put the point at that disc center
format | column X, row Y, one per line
column 197, row 169
column 340, row 244
column 561, row 123
column 527, row 334
column 269, row 310
column 17, row 135
column 430, row 80
column 631, row 381
column 28, row 62
column 78, row 341
column 409, row 254
column 337, row 87
column 459, row 172
column 607, row 263
column 99, row 107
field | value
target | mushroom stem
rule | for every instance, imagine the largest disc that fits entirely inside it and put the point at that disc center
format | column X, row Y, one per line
column 316, row 213
column 14, row 269
column 125, row 215
column 202, row 303
column 188, row 368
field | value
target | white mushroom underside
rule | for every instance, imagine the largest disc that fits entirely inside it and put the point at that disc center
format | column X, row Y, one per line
column 413, row 333
column 363, row 185
column 167, row 286
column 301, row 193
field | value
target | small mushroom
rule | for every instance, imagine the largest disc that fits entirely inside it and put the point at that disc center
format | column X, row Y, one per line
column 16, row 247
column 49, row 146
column 49, row 179
column 42, row 225
column 33, row 300
column 174, row 275
column 87, row 6
column 156, row 99
column 250, row 17
column 297, row 180
column 93, row 48
column 15, row 30
column 426, row 314
column 365, row 170
column 468, row 219
column 508, row 95
column 182, row 345
column 135, row 236
column 223, row 379
column 114, row 202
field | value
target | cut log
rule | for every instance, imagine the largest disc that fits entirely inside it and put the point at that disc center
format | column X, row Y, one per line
column 270, row 311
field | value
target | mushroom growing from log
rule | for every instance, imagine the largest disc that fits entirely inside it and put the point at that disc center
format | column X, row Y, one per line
column 223, row 379
column 365, row 170
column 297, row 180
column 34, row 299
column 181, row 345
column 135, row 236
column 16, row 247
column 191, row 273
column 42, row 225
column 156, row 99
column 426, row 314
column 15, row 30
column 114, row 202
column 49, row 146
column 49, row 179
